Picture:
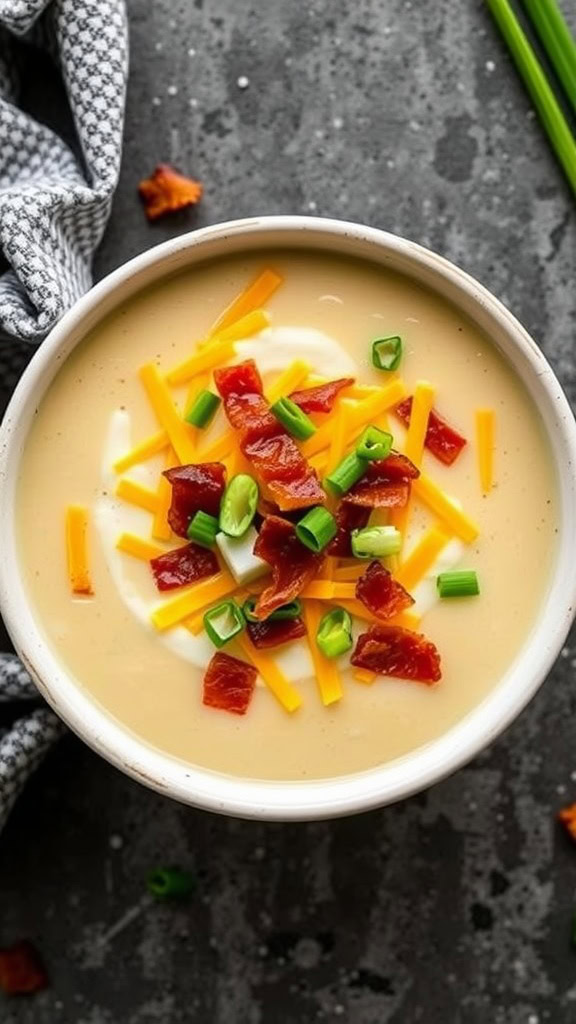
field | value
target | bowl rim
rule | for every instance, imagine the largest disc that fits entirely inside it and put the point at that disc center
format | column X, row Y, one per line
column 306, row 799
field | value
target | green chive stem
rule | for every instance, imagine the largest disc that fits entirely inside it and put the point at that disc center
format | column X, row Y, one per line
column 223, row 622
column 202, row 529
column 374, row 444
column 346, row 474
column 203, row 409
column 376, row 542
column 334, row 636
column 316, row 529
column 238, row 505
column 296, row 422
column 537, row 85
column 461, row 583
column 557, row 40
column 387, row 353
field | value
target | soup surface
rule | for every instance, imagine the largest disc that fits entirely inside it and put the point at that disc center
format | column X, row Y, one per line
column 326, row 312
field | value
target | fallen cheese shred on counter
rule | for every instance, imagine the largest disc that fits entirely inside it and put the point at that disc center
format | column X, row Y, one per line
column 275, row 680
column 327, row 674
column 485, row 423
column 77, row 550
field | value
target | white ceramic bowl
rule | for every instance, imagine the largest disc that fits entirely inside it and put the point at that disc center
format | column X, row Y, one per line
column 330, row 797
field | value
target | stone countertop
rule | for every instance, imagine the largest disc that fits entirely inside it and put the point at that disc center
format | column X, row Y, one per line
column 451, row 908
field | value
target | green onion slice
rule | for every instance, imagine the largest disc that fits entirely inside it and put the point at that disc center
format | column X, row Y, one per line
column 334, row 636
column 202, row 529
column 374, row 444
column 316, row 529
column 238, row 506
column 376, row 542
column 170, row 883
column 293, row 419
column 293, row 610
column 203, row 409
column 346, row 474
column 387, row 353
column 462, row 583
column 224, row 622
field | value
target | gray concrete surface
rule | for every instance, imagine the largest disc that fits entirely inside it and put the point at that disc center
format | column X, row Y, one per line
column 454, row 907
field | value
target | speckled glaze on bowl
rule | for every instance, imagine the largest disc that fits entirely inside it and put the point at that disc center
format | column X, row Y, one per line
column 328, row 797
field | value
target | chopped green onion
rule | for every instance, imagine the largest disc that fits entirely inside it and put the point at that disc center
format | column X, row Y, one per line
column 291, row 416
column 202, row 529
column 223, row 622
column 203, row 409
column 292, row 610
column 376, row 542
column 238, row 506
column 374, row 444
column 346, row 474
column 316, row 529
column 463, row 583
column 557, row 41
column 170, row 883
column 387, row 353
column 334, row 636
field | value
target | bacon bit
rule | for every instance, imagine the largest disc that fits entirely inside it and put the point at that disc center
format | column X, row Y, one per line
column 276, row 458
column 381, row 593
column 195, row 488
column 385, row 484
column 293, row 565
column 322, row 397
column 21, row 969
column 166, row 191
column 393, row 651
column 442, row 440
column 274, row 632
column 229, row 684
column 568, row 818
column 183, row 565
column 348, row 518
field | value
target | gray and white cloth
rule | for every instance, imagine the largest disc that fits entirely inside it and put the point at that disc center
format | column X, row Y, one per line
column 54, row 206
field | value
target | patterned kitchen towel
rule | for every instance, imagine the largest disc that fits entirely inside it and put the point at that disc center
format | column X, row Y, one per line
column 53, row 210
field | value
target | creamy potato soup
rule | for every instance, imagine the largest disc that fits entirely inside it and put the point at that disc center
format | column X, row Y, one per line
column 320, row 653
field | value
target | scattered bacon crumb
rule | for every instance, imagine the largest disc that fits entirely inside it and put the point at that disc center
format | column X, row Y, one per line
column 385, row 484
column 21, row 969
column 568, row 818
column 381, row 593
column 322, row 397
column 182, row 566
column 195, row 488
column 442, row 440
column 166, row 190
column 393, row 651
column 229, row 684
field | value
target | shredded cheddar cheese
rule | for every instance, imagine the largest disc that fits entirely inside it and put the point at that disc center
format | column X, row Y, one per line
column 361, row 414
column 160, row 526
column 287, row 381
column 137, row 494
column 179, row 432
column 348, row 573
column 275, row 680
column 139, row 548
column 422, row 558
column 362, row 675
column 189, row 601
column 256, row 294
column 438, row 502
column 340, row 438
column 77, row 550
column 422, row 403
column 327, row 674
column 141, row 452
column 485, row 421
column 320, row 590
column 219, row 348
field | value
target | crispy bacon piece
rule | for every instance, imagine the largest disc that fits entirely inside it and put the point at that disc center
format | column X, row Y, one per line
column 568, row 818
column 293, row 565
column 21, row 969
column 348, row 518
column 274, row 632
column 229, row 684
column 442, row 440
column 288, row 479
column 183, row 565
column 381, row 593
column 195, row 488
column 385, row 484
column 322, row 397
column 392, row 651
column 166, row 190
